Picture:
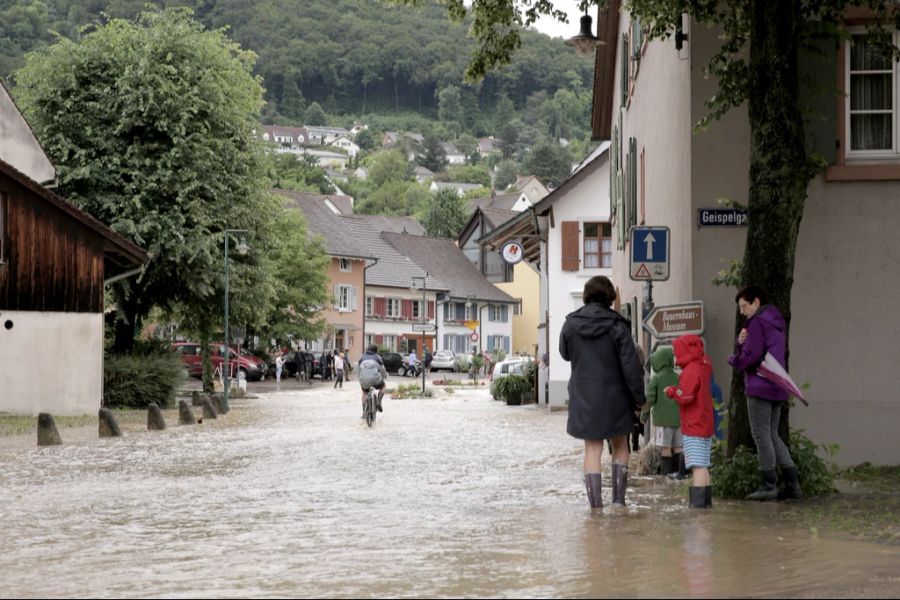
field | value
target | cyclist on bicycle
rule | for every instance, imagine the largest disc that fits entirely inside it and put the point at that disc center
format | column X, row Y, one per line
column 371, row 374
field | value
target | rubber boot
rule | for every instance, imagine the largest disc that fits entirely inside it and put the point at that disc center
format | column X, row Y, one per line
column 698, row 497
column 791, row 488
column 592, row 482
column 708, row 496
column 767, row 489
column 619, row 483
column 378, row 402
column 681, row 472
column 666, row 465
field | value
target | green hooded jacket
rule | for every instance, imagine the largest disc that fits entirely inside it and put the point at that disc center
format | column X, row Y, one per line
column 663, row 409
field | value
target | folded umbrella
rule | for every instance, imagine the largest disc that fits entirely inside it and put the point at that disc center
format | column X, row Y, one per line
column 772, row 370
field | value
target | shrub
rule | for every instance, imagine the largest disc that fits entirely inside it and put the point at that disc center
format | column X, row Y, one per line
column 740, row 476
column 138, row 380
column 411, row 390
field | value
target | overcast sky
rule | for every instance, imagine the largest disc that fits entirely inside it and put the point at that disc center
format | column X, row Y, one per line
column 554, row 28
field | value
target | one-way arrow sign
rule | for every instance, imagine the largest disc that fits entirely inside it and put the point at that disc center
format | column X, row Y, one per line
column 672, row 320
column 649, row 253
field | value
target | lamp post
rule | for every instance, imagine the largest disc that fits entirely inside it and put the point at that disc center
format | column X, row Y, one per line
column 423, row 319
column 585, row 42
column 242, row 250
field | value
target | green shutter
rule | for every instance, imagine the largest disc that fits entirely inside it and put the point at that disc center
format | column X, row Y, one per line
column 624, row 78
column 632, row 154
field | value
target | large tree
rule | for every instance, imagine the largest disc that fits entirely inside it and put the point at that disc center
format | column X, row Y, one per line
column 756, row 63
column 150, row 125
column 446, row 215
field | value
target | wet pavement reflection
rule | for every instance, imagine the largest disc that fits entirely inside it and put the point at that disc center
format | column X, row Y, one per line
column 290, row 495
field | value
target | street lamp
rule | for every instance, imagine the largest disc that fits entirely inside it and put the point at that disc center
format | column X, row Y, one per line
column 242, row 249
column 424, row 319
column 585, row 42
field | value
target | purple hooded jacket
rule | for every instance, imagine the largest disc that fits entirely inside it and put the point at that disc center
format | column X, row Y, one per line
column 765, row 333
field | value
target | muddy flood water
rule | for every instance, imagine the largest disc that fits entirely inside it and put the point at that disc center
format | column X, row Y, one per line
column 290, row 495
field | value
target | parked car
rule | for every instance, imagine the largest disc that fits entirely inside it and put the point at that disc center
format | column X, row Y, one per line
column 446, row 360
column 513, row 364
column 393, row 363
column 312, row 362
column 252, row 367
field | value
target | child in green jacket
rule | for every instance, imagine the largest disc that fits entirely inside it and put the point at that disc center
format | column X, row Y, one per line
column 664, row 410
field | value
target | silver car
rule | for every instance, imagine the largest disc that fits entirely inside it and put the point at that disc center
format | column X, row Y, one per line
column 445, row 359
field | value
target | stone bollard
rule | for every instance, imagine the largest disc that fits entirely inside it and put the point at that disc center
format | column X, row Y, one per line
column 195, row 399
column 155, row 421
column 208, row 411
column 217, row 401
column 47, row 432
column 185, row 414
column 107, row 425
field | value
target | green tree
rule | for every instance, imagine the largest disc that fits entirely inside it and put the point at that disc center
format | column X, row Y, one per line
column 467, row 174
column 504, row 112
column 366, row 139
column 432, row 155
column 118, row 112
column 550, row 162
column 446, row 215
column 506, row 174
column 390, row 165
column 300, row 174
column 389, row 199
column 314, row 115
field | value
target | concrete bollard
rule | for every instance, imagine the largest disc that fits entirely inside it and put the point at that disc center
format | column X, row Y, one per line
column 208, row 411
column 217, row 401
column 195, row 399
column 155, row 421
column 107, row 424
column 47, row 432
column 185, row 414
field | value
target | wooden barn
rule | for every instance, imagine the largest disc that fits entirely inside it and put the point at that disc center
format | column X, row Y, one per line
column 54, row 263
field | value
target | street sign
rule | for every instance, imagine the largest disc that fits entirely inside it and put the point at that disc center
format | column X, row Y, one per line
column 512, row 252
column 719, row 217
column 650, row 253
column 672, row 320
column 474, row 336
column 471, row 325
column 423, row 327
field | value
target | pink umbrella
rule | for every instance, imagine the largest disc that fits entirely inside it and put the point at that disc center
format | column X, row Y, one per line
column 772, row 370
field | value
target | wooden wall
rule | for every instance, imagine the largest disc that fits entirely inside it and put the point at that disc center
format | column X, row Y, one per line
column 53, row 262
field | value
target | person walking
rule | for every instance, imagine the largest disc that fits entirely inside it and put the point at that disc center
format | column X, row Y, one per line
column 426, row 362
column 348, row 366
column 279, row 365
column 695, row 406
column 606, row 387
column 663, row 411
column 411, row 364
column 764, row 332
column 339, row 370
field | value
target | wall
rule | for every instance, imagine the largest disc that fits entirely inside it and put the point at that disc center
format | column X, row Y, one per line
column 52, row 362
column 526, row 285
column 354, row 320
column 20, row 148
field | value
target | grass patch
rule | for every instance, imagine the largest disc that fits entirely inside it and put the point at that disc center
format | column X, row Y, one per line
column 411, row 390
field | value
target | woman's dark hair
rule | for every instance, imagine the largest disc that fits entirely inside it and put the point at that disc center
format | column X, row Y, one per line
column 751, row 292
column 599, row 289
column 373, row 349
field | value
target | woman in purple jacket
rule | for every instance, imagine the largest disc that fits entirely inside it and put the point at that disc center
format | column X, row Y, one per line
column 764, row 331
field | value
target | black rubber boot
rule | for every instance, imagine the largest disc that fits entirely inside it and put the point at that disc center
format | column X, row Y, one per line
column 619, row 483
column 378, row 402
column 791, row 488
column 592, row 482
column 708, row 496
column 666, row 465
column 698, row 497
column 767, row 489
column 681, row 472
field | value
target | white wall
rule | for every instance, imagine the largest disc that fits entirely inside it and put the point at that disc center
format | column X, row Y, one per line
column 51, row 362
column 588, row 201
column 18, row 146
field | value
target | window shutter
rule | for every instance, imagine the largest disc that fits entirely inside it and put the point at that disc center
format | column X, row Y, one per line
column 506, row 344
column 505, row 313
column 337, row 296
column 624, row 78
column 379, row 307
column 406, row 310
column 430, row 309
column 570, row 239
column 632, row 155
column 353, row 298
column 379, row 340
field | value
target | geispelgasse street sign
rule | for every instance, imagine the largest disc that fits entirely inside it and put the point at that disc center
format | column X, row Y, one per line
column 423, row 327
column 649, row 253
column 672, row 320
column 721, row 217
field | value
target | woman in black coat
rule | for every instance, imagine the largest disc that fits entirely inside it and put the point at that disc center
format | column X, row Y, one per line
column 606, row 386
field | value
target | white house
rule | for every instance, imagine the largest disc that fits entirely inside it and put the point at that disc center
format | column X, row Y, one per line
column 460, row 188
column 347, row 145
column 454, row 155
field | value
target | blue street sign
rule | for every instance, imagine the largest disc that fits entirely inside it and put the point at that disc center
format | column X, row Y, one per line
column 650, row 253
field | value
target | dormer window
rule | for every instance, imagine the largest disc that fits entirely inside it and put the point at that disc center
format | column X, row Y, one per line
column 346, row 265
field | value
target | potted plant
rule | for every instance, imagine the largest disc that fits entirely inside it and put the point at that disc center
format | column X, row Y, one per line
column 514, row 386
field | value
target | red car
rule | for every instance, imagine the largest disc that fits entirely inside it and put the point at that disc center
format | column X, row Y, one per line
column 252, row 367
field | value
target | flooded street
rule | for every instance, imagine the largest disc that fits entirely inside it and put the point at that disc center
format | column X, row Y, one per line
column 290, row 495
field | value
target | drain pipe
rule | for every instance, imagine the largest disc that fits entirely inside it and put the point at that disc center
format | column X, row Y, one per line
column 366, row 268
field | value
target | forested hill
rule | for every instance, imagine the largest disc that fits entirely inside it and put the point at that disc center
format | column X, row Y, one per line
column 351, row 56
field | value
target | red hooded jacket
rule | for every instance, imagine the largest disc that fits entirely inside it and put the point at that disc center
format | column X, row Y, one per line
column 693, row 395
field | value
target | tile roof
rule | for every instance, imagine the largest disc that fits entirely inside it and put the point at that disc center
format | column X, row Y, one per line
column 500, row 201
column 444, row 258
column 393, row 269
column 323, row 221
column 497, row 216
column 395, row 224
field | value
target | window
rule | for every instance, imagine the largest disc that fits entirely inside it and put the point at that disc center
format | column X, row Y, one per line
column 417, row 309
column 345, row 298
column 370, row 303
column 393, row 307
column 871, row 82
column 597, row 245
column 498, row 312
column 389, row 342
column 345, row 265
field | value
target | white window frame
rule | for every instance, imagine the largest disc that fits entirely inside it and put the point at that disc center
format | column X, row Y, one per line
column 390, row 310
column 600, row 252
column 389, row 342
column 870, row 155
column 346, row 298
column 346, row 266
column 370, row 306
column 417, row 309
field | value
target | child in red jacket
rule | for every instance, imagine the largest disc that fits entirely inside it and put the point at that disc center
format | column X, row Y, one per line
column 695, row 405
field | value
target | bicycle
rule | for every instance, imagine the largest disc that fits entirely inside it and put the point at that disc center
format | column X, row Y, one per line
column 371, row 407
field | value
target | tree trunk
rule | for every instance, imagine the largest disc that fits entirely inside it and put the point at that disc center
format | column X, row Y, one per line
column 779, row 176
column 207, row 375
column 127, row 321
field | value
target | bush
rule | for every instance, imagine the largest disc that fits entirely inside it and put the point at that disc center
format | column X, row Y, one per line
column 740, row 476
column 411, row 390
column 138, row 380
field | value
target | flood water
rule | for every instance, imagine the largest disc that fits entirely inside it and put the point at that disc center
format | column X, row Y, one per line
column 290, row 495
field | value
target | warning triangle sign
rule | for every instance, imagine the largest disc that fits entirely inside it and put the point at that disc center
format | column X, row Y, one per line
column 642, row 271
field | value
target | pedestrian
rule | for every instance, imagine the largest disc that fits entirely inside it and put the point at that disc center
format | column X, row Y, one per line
column 339, row 371
column 662, row 411
column 329, row 365
column 606, row 387
column 279, row 365
column 300, row 363
column 411, row 364
column 348, row 366
column 764, row 332
column 427, row 360
column 695, row 406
